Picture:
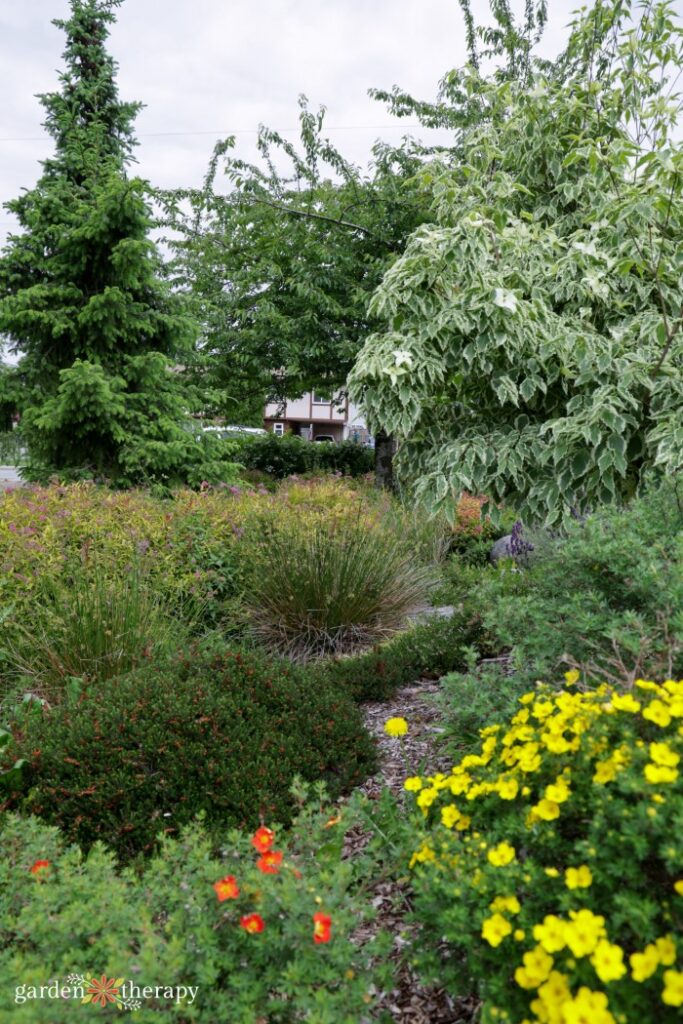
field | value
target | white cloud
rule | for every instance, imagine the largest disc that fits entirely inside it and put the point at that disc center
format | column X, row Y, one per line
column 217, row 67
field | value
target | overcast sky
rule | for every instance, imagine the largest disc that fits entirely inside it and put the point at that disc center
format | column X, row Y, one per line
column 217, row 67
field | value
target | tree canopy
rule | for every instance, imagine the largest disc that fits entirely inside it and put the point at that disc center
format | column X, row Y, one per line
column 531, row 345
column 81, row 296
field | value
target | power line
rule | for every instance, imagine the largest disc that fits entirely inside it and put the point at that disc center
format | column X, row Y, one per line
column 239, row 131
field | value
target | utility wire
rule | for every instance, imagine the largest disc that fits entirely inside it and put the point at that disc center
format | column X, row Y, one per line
column 239, row 131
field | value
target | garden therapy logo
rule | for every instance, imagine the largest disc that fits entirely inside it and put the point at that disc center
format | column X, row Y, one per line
column 101, row 991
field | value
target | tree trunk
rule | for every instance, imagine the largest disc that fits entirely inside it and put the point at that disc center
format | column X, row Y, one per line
column 384, row 458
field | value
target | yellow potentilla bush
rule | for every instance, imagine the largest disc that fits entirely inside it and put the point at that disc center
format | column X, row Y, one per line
column 562, row 897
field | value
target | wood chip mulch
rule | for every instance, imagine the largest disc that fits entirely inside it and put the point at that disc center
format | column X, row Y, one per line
column 407, row 1002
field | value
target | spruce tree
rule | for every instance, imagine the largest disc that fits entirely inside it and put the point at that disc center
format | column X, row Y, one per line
column 81, row 297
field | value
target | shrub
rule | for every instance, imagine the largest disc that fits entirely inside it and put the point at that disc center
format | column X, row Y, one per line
column 330, row 585
column 550, row 864
column 470, row 700
column 284, row 456
column 607, row 598
column 427, row 650
column 219, row 733
column 167, row 926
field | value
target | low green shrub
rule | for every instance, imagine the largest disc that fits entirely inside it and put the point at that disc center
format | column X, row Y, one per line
column 222, row 733
column 548, row 867
column 469, row 701
column 608, row 597
column 328, row 585
column 427, row 650
column 175, row 925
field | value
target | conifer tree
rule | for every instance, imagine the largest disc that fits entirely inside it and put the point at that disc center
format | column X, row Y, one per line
column 81, row 298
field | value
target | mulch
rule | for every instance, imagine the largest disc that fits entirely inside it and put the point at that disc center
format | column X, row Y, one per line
column 408, row 1002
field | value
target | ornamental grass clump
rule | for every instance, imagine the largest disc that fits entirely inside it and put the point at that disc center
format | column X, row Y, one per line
column 551, row 861
column 329, row 585
column 90, row 628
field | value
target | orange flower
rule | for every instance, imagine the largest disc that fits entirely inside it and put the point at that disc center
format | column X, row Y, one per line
column 333, row 821
column 226, row 888
column 40, row 865
column 252, row 923
column 263, row 839
column 322, row 928
column 270, row 862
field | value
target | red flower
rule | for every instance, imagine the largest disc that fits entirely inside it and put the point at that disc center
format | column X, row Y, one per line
column 270, row 862
column 322, row 928
column 40, row 865
column 263, row 839
column 252, row 923
column 226, row 888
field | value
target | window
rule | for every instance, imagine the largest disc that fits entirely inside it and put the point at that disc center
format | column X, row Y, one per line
column 319, row 399
column 278, row 429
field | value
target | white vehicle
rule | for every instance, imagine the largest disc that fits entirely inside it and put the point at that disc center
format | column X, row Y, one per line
column 229, row 430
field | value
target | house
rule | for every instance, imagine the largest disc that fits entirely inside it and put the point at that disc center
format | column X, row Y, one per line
column 317, row 416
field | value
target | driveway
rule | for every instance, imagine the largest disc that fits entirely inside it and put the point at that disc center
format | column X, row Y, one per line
column 9, row 477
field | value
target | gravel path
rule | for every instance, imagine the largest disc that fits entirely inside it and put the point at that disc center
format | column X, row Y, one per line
column 408, row 1002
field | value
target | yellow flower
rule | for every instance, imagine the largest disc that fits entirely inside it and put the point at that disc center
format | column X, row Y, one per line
column 558, row 792
column 552, row 872
column 656, row 773
column 537, row 967
column 425, row 853
column 608, row 961
column 578, row 878
column 673, row 988
column 494, row 929
column 625, row 702
column 644, row 965
column 459, row 784
column 666, row 949
column 547, row 810
column 541, row 709
column 518, row 934
column 678, row 886
column 449, row 815
column 587, row 1007
column 413, row 784
column 426, row 798
column 661, row 753
column 605, row 771
column 501, row 855
column 506, row 903
column 572, row 677
column 507, row 788
column 555, row 991
column 551, row 934
column 584, row 932
column 396, row 727
column 658, row 713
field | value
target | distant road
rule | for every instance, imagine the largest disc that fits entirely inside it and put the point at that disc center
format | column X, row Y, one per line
column 9, row 477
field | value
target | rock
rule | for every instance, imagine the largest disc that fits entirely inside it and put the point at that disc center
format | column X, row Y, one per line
column 501, row 549
column 425, row 614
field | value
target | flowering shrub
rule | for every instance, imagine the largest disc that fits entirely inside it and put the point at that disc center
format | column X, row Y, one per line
column 552, row 864
column 256, row 946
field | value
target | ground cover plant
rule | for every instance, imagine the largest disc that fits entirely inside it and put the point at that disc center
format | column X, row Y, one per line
column 549, row 862
column 220, row 732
